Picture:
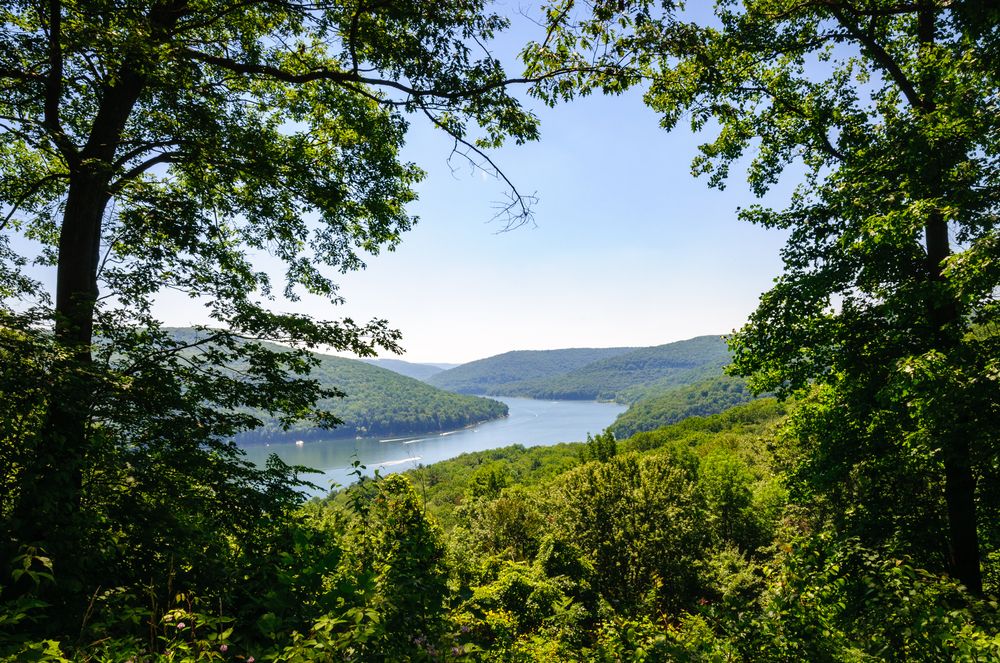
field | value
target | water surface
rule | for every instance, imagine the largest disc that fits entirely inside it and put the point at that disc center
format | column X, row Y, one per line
column 530, row 422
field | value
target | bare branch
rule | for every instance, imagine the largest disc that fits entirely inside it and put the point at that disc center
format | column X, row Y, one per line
column 517, row 199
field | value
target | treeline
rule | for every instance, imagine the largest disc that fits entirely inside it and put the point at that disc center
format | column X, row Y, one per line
column 703, row 398
column 622, row 374
column 698, row 541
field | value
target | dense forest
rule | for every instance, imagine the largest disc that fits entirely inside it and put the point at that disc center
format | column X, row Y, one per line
column 229, row 151
column 620, row 374
column 710, row 396
column 379, row 402
column 502, row 374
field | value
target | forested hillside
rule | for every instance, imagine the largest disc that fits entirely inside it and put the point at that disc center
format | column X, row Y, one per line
column 630, row 376
column 379, row 402
column 375, row 401
column 502, row 375
column 621, row 374
column 702, row 398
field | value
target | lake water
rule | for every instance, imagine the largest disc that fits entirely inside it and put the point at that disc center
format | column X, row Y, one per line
column 530, row 422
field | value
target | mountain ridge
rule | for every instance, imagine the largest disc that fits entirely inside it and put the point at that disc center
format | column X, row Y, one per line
column 377, row 402
column 621, row 374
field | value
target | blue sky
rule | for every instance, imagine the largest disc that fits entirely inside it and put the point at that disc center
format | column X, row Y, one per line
column 627, row 249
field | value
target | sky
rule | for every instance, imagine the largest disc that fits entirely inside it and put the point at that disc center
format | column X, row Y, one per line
column 627, row 248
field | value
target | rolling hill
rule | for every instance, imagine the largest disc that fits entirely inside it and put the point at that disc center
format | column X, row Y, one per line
column 501, row 375
column 378, row 402
column 700, row 399
column 622, row 374
column 421, row 372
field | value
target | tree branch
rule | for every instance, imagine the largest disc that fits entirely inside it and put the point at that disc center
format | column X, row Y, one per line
column 54, row 82
column 137, row 152
column 32, row 190
column 342, row 77
column 879, row 54
column 517, row 199
column 132, row 173
column 825, row 144
column 19, row 75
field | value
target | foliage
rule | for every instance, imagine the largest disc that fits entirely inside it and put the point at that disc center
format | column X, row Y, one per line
column 622, row 374
column 507, row 524
column 682, row 546
column 641, row 521
column 399, row 555
column 835, row 600
column 885, row 116
column 600, row 448
column 699, row 399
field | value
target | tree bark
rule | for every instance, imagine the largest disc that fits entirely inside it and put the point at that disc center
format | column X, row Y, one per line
column 945, row 318
column 48, row 507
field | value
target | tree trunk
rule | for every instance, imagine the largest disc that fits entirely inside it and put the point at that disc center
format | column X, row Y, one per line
column 960, row 483
column 945, row 319
column 960, row 495
column 47, row 512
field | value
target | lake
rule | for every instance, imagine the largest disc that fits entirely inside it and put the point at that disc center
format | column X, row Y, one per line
column 530, row 422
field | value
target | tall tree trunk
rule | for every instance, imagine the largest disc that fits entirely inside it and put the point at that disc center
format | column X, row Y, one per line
column 960, row 483
column 945, row 318
column 47, row 513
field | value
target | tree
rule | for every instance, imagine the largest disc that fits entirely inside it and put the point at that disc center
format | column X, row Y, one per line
column 162, row 144
column 641, row 520
column 885, row 112
column 401, row 553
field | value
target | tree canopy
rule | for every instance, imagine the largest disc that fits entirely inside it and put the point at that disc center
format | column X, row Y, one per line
column 167, row 145
column 885, row 113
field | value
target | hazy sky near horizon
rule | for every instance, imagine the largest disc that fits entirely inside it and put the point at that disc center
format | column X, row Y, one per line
column 627, row 248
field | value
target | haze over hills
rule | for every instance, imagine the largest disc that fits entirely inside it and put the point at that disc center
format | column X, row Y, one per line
column 622, row 374
column 411, row 370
